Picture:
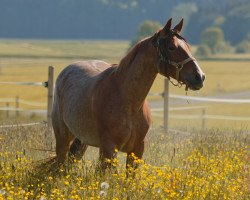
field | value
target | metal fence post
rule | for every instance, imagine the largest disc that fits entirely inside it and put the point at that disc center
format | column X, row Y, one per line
column 166, row 104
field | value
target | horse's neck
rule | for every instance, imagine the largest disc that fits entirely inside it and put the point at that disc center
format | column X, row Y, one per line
column 137, row 72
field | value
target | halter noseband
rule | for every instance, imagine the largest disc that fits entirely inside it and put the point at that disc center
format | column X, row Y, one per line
column 178, row 65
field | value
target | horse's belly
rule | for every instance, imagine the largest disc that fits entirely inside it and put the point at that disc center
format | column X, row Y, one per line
column 89, row 137
column 84, row 128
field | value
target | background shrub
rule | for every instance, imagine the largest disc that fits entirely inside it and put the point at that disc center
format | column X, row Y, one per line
column 203, row 51
column 146, row 29
column 243, row 47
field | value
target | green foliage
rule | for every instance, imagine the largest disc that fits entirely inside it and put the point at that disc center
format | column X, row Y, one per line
column 146, row 29
column 213, row 37
column 184, row 10
column 111, row 19
column 219, row 21
column 203, row 51
column 223, row 47
column 248, row 36
column 243, row 47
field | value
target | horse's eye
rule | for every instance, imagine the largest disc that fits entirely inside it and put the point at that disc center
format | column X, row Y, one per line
column 171, row 48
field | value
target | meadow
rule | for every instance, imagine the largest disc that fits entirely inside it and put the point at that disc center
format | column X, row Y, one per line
column 28, row 60
column 188, row 164
column 197, row 165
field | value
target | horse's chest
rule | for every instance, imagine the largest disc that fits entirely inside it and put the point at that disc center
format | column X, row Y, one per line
column 126, row 131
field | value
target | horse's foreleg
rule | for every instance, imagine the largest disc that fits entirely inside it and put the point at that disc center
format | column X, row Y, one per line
column 77, row 149
column 107, row 156
column 133, row 156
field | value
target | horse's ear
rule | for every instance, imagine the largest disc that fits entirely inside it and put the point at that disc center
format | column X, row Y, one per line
column 179, row 26
column 168, row 25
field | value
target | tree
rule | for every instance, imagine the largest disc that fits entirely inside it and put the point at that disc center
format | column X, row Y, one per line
column 213, row 37
column 146, row 29
column 184, row 10
column 203, row 51
column 248, row 36
column 243, row 47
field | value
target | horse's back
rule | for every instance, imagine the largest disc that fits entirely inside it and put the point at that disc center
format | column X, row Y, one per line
column 83, row 69
column 73, row 96
column 79, row 76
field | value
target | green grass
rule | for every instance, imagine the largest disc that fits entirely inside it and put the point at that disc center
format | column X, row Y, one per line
column 63, row 49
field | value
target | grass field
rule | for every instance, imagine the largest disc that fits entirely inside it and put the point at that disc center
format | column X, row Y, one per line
column 27, row 60
column 208, row 164
column 199, row 165
column 63, row 49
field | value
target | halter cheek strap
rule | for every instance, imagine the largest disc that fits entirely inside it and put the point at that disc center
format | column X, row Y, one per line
column 178, row 66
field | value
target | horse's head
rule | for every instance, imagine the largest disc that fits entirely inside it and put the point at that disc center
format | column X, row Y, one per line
column 175, row 59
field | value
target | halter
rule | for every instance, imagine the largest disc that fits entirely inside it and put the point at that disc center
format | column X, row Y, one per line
column 178, row 65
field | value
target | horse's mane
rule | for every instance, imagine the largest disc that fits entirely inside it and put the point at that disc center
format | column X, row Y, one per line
column 127, row 60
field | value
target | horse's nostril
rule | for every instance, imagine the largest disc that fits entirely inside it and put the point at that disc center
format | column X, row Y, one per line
column 203, row 77
column 198, row 77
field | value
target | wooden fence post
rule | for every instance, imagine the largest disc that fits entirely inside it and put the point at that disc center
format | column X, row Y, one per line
column 7, row 110
column 17, row 106
column 50, row 103
column 203, row 122
column 166, row 104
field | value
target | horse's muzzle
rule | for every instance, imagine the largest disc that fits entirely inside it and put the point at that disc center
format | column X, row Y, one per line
column 196, row 83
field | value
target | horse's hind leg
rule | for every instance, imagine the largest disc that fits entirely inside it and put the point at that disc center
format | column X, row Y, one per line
column 63, row 136
column 64, row 139
column 62, row 146
column 77, row 149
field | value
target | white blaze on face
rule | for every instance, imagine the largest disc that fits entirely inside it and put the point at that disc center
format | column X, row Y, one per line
column 184, row 46
column 199, row 70
column 182, row 43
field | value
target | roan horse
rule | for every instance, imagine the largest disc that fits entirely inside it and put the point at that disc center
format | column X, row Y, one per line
column 104, row 105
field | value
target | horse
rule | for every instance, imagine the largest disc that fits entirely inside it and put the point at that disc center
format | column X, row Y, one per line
column 103, row 105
